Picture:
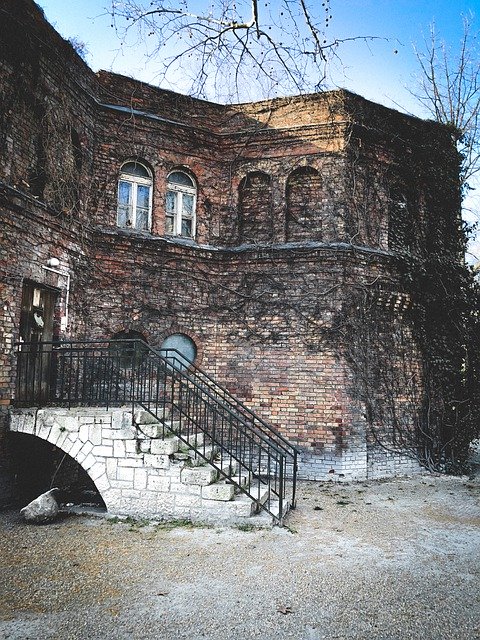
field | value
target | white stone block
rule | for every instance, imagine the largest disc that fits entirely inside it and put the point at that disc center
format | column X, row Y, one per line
column 243, row 507
column 104, row 452
column 156, row 461
column 186, row 500
column 65, row 443
column 131, row 446
column 102, row 483
column 164, row 447
column 140, row 479
column 158, row 483
column 84, row 432
column 130, row 462
column 87, row 447
column 144, row 417
column 71, row 423
column 95, row 434
column 149, row 430
column 111, row 466
column 97, row 470
column 194, row 440
column 131, row 494
column 119, row 448
column 165, row 503
column 78, row 444
column 201, row 476
column 125, row 473
column 89, row 461
column 224, row 492
column 145, row 446
column 120, row 484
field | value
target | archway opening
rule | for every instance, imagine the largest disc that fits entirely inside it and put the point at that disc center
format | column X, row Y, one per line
column 38, row 466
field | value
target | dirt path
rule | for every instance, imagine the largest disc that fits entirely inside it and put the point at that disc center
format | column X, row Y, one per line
column 379, row 560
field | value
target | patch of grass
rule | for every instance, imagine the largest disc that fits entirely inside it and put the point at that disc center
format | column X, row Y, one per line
column 135, row 523
column 246, row 526
column 169, row 525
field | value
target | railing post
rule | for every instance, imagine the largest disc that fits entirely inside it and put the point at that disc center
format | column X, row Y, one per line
column 294, row 479
column 281, row 489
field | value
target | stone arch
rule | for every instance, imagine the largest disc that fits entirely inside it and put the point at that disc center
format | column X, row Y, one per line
column 82, row 434
column 256, row 208
column 40, row 465
column 304, row 195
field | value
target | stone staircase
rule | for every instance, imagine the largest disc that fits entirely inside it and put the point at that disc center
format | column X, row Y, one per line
column 202, row 491
column 192, row 451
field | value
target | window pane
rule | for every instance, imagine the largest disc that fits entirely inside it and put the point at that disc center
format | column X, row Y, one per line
column 124, row 192
column 177, row 177
column 134, row 169
column 171, row 197
column 187, row 205
column 143, row 196
column 142, row 219
column 184, row 350
column 169, row 225
column 187, row 227
column 123, row 215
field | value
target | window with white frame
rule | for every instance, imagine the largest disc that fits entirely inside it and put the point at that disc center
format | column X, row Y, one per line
column 180, row 205
column 134, row 209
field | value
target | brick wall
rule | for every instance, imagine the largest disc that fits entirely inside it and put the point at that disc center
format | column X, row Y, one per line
column 293, row 203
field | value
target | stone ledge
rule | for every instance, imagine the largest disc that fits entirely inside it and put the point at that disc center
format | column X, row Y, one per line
column 165, row 447
column 223, row 492
column 202, row 476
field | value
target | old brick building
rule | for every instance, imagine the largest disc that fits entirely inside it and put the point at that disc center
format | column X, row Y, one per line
column 266, row 239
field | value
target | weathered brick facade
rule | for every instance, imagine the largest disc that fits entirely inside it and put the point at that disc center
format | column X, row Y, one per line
column 301, row 208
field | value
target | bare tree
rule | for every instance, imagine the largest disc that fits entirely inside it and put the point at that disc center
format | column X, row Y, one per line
column 449, row 89
column 234, row 48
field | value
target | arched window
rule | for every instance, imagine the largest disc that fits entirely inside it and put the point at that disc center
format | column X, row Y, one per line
column 180, row 205
column 127, row 347
column 304, row 205
column 255, row 203
column 401, row 222
column 180, row 349
column 134, row 210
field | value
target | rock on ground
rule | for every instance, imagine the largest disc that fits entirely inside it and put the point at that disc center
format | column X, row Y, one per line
column 41, row 510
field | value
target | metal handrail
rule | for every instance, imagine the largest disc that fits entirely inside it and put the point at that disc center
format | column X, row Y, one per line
column 219, row 391
column 109, row 372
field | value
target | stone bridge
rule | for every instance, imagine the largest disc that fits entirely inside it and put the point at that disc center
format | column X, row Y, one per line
column 137, row 472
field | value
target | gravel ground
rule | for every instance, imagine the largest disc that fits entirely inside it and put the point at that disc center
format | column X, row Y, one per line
column 377, row 560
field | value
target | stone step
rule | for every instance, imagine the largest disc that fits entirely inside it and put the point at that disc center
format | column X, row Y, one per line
column 239, row 507
column 241, row 480
column 173, row 426
column 229, row 466
column 165, row 446
column 194, row 439
column 199, row 476
column 218, row 491
column 141, row 416
column 208, row 452
column 259, row 492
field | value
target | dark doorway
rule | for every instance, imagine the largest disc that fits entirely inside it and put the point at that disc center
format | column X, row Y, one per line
column 35, row 365
column 39, row 466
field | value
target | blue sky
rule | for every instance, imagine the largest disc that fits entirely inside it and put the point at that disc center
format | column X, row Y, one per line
column 379, row 70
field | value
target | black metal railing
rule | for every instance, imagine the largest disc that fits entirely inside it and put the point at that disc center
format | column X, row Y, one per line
column 243, row 448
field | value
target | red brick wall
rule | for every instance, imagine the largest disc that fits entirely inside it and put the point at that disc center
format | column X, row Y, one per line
column 259, row 315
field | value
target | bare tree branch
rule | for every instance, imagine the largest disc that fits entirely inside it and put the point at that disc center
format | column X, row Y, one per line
column 449, row 89
column 234, row 48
